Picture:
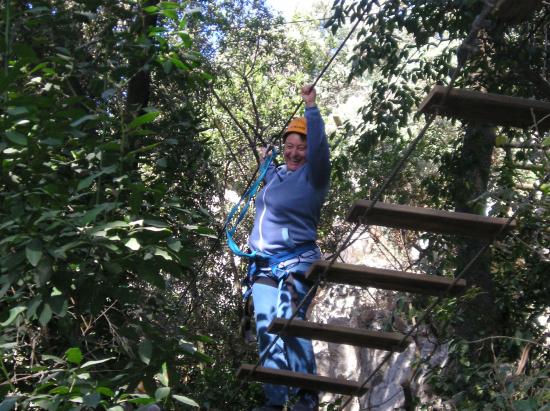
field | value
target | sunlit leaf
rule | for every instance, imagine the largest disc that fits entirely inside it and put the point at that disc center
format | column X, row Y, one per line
column 133, row 244
column 74, row 355
column 14, row 312
column 170, row 13
column 95, row 362
column 163, row 375
column 161, row 393
column 144, row 118
column 151, row 9
column 174, row 244
column 185, row 400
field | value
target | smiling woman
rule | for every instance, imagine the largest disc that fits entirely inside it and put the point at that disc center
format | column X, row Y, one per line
column 295, row 144
column 295, row 151
column 283, row 239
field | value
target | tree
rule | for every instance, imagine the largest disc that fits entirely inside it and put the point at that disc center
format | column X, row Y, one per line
column 103, row 178
column 410, row 46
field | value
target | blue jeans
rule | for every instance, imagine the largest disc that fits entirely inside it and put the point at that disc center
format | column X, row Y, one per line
column 277, row 295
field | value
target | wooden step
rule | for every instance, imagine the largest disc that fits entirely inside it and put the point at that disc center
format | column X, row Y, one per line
column 364, row 276
column 340, row 335
column 486, row 108
column 426, row 219
column 301, row 380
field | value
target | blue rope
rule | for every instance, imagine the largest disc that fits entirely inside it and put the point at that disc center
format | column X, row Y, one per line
column 247, row 199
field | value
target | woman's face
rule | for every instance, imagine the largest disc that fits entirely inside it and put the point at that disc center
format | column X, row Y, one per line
column 295, row 151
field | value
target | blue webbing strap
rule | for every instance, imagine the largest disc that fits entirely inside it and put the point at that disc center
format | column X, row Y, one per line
column 246, row 198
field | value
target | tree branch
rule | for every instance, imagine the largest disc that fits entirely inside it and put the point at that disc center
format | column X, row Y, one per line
column 238, row 124
column 235, row 159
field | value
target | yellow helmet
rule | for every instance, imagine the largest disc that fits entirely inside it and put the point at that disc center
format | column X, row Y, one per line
column 296, row 125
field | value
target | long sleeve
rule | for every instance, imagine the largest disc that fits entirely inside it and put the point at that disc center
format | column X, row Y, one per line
column 317, row 148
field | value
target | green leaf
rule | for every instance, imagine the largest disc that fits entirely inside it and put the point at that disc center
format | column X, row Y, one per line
column 92, row 400
column 169, row 5
column 15, row 111
column 185, row 400
column 525, row 405
column 14, row 312
column 162, row 253
column 500, row 140
column 44, row 271
column 170, row 13
column 60, row 390
column 59, row 305
column 25, row 52
column 94, row 212
column 106, row 391
column 133, row 244
column 546, row 142
column 16, row 138
column 174, row 244
column 32, row 306
column 74, row 355
column 85, row 183
column 33, row 251
column 161, row 393
column 151, row 9
column 144, row 118
column 145, row 351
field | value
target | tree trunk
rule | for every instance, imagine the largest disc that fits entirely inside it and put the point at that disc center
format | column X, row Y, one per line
column 139, row 86
column 480, row 316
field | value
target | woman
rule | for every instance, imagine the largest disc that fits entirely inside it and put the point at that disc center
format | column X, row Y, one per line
column 285, row 229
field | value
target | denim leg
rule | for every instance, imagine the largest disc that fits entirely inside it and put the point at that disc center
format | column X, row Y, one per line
column 299, row 350
column 265, row 302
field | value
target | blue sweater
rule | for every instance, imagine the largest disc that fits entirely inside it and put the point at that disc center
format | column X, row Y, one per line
column 288, row 207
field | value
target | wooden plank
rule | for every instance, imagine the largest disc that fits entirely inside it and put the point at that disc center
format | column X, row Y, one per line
column 301, row 380
column 487, row 108
column 426, row 219
column 364, row 276
column 341, row 335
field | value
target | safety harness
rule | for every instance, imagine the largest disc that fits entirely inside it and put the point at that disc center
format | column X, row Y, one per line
column 258, row 262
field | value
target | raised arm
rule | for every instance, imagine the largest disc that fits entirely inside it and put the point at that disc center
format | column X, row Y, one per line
column 317, row 144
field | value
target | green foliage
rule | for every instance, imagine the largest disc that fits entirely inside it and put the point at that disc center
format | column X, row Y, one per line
column 102, row 181
column 405, row 48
